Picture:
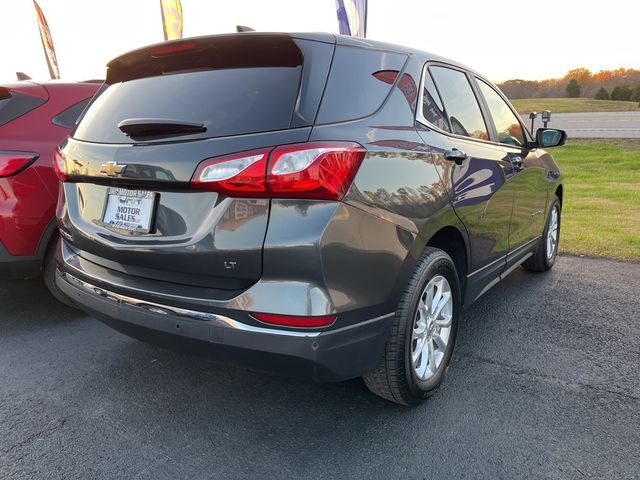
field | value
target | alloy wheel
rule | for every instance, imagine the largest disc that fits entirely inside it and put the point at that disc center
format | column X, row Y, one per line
column 431, row 328
column 552, row 235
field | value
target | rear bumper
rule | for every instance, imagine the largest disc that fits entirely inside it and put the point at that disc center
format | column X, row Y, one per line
column 328, row 355
column 25, row 266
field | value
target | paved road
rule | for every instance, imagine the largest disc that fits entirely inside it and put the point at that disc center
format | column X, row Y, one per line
column 544, row 384
column 594, row 125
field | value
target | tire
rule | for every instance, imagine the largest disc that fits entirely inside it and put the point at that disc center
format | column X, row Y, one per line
column 397, row 377
column 543, row 259
column 49, row 274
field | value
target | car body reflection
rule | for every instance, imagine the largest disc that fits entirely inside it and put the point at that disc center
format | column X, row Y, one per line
column 475, row 181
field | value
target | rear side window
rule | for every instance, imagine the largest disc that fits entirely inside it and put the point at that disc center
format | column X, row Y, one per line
column 231, row 101
column 67, row 118
column 465, row 116
column 358, row 83
column 432, row 109
column 14, row 105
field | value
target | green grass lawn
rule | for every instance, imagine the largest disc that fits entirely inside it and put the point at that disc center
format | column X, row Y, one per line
column 601, row 204
column 569, row 105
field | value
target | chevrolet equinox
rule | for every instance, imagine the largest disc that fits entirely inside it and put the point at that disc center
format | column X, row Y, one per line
column 309, row 204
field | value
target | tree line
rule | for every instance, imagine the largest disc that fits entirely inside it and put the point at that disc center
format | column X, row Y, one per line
column 619, row 84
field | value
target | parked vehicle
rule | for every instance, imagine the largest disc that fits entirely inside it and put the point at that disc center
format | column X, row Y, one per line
column 34, row 118
column 309, row 204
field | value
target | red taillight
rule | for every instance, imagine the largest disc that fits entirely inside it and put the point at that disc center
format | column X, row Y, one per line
column 294, row 320
column 241, row 174
column 318, row 170
column 313, row 170
column 170, row 48
column 60, row 165
column 15, row 162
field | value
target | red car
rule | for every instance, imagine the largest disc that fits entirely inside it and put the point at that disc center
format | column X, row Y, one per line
column 34, row 119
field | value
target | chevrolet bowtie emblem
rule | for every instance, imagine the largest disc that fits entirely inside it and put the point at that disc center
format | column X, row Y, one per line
column 112, row 168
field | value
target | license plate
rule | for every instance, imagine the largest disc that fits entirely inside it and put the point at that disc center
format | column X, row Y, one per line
column 130, row 210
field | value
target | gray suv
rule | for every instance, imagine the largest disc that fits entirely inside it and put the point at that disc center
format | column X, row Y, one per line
column 308, row 204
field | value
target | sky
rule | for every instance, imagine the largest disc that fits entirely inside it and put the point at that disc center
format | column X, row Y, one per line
column 503, row 39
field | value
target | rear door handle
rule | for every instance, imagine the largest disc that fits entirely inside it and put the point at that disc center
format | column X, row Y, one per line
column 455, row 155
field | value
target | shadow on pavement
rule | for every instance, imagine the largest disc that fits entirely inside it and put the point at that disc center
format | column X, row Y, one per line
column 27, row 304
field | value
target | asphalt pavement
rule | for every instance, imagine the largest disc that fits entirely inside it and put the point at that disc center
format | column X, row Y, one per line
column 545, row 383
column 594, row 124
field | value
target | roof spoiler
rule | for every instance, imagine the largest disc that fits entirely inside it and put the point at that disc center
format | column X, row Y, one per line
column 235, row 50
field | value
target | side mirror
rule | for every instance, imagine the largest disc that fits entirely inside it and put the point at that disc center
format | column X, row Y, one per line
column 550, row 137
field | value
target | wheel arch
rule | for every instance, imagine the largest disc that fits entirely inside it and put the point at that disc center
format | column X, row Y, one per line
column 452, row 241
column 558, row 192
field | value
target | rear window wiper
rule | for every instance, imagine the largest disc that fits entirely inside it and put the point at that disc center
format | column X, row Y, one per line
column 159, row 127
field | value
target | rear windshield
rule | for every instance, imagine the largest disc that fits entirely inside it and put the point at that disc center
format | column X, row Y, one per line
column 228, row 101
column 14, row 105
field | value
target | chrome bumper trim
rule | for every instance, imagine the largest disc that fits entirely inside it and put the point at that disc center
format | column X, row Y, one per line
column 160, row 309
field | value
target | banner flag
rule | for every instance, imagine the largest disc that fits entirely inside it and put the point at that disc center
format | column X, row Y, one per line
column 352, row 17
column 47, row 43
column 171, row 19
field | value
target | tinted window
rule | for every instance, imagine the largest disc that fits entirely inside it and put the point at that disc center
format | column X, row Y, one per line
column 228, row 102
column 14, row 105
column 358, row 83
column 432, row 109
column 507, row 124
column 68, row 117
column 460, row 102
